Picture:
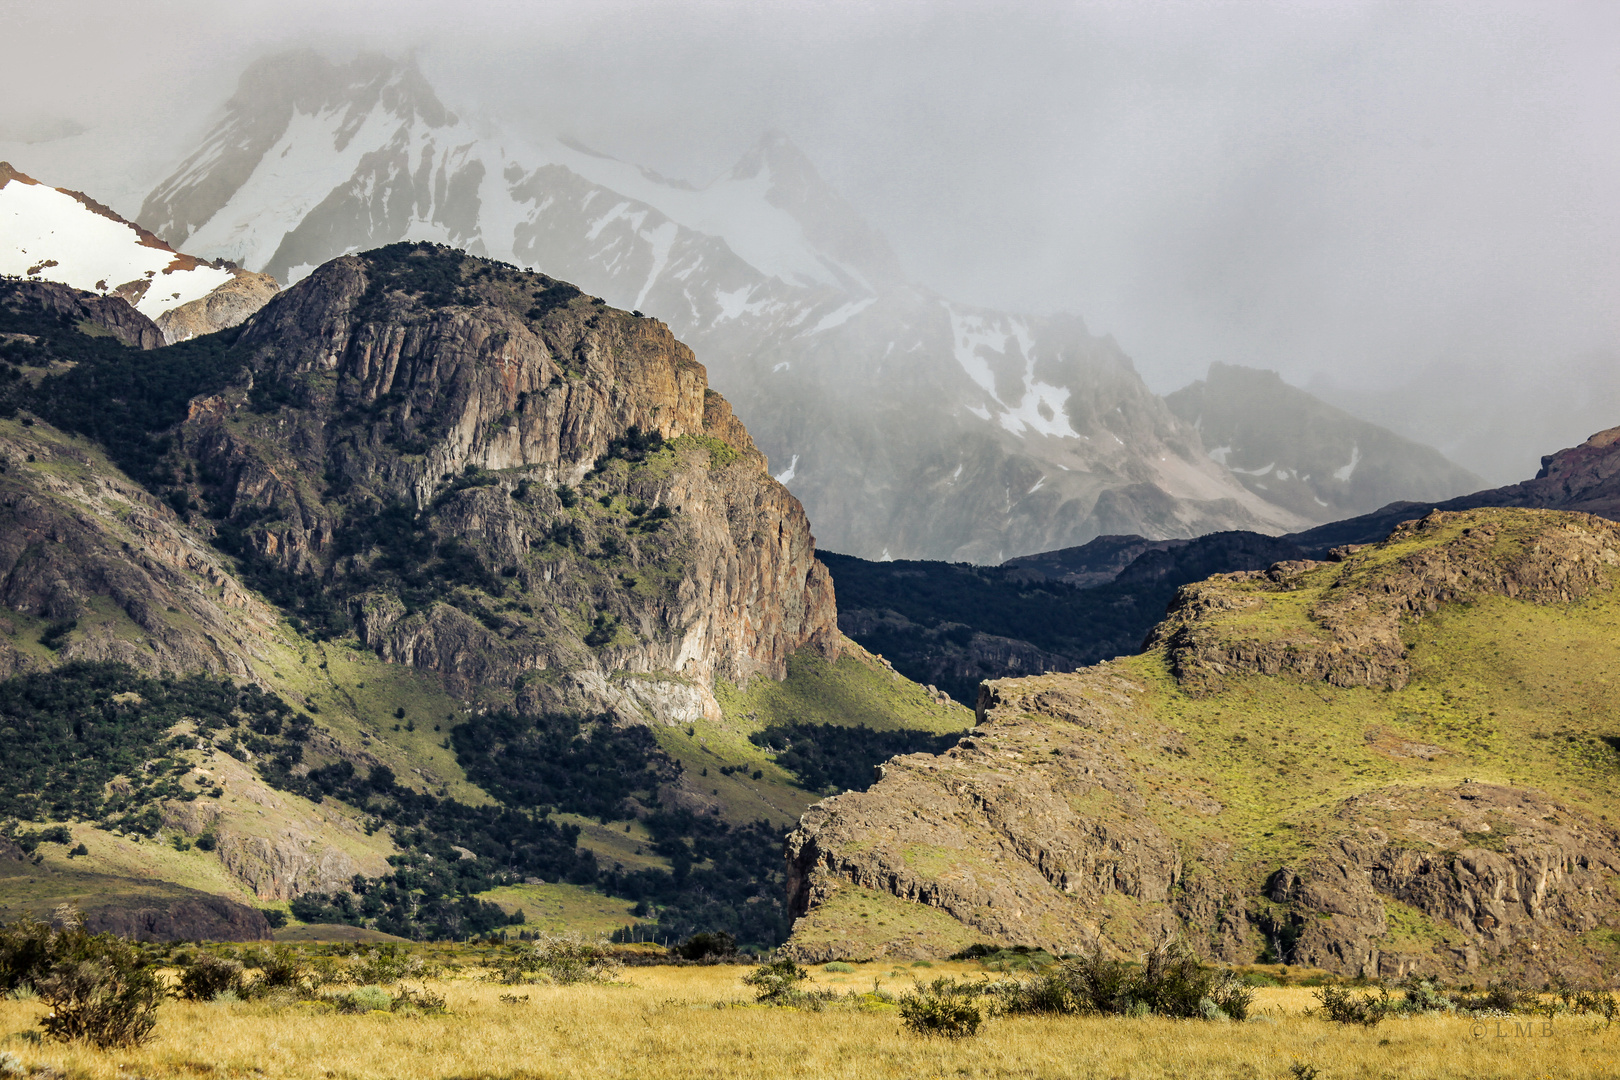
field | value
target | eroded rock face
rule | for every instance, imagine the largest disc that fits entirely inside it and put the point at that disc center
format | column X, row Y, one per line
column 81, row 544
column 997, row 831
column 456, row 417
column 200, row 918
column 109, row 313
column 1292, row 781
column 227, row 306
column 1353, row 638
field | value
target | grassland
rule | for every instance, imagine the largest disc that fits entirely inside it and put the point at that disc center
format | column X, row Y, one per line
column 662, row 1022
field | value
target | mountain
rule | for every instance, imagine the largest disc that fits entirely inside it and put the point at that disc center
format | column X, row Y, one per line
column 452, row 591
column 1297, row 451
column 954, row 625
column 52, row 234
column 907, row 424
column 1395, row 760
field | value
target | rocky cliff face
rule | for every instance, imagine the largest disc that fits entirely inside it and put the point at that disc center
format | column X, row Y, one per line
column 503, row 481
column 110, row 314
column 1384, row 763
column 94, row 565
column 226, row 306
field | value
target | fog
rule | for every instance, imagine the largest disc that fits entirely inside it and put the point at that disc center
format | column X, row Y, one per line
column 1408, row 208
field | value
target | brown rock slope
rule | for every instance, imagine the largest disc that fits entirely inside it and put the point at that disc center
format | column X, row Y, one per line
column 493, row 477
column 1401, row 759
column 95, row 566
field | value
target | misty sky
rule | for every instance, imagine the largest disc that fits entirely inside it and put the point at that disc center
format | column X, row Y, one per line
column 1367, row 197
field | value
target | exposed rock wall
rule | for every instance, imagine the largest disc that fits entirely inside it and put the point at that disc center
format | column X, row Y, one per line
column 383, row 400
column 225, row 307
column 81, row 543
column 109, row 313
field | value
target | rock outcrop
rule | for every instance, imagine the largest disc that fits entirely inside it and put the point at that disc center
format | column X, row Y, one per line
column 107, row 313
column 1344, row 764
column 580, row 502
column 92, row 562
column 225, row 307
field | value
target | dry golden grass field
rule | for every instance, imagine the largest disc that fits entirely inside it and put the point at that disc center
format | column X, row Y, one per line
column 667, row 1022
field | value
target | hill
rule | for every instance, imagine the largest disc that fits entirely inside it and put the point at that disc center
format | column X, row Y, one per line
column 955, row 625
column 1395, row 760
column 513, row 587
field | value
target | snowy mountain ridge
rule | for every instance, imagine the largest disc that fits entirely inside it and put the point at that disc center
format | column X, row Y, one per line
column 908, row 424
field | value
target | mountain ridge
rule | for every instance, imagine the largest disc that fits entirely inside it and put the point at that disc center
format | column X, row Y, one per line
column 1033, row 434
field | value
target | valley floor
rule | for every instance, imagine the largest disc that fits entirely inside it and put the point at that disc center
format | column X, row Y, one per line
column 700, row 1021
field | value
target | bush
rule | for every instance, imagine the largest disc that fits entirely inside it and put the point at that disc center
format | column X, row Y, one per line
column 1170, row 982
column 207, row 976
column 839, row 966
column 280, row 968
column 948, row 1015
column 776, row 983
column 705, row 945
column 364, row 999
column 100, row 990
column 25, row 953
column 423, row 1000
column 562, row 958
column 1344, row 1007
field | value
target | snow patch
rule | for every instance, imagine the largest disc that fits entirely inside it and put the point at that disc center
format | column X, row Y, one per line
column 39, row 224
column 843, row 314
column 783, row 366
column 787, row 474
column 1347, row 471
column 1255, row 472
column 1219, row 454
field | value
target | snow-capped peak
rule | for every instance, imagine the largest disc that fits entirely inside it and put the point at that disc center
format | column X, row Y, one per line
column 53, row 234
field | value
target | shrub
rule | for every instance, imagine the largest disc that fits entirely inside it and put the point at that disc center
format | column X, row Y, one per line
column 207, row 976
column 423, row 1000
column 363, row 999
column 100, row 989
column 839, row 966
column 280, row 968
column 776, row 983
column 25, row 953
column 949, row 1015
column 705, row 945
column 1344, row 1007
column 1170, row 982
column 562, row 958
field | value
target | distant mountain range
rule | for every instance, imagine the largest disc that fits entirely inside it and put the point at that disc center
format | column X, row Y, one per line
column 910, row 425
column 954, row 626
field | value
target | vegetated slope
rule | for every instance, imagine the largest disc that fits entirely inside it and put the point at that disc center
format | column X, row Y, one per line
column 52, row 234
column 907, row 423
column 1403, row 760
column 954, row 625
column 1297, row 451
column 368, row 506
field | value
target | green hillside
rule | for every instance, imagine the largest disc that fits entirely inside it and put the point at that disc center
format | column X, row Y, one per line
column 1407, row 758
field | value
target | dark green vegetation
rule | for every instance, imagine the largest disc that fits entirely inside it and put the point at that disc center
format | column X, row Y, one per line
column 1369, row 1008
column 931, row 619
column 834, row 757
column 90, row 384
column 70, row 731
column 100, row 988
column 73, row 729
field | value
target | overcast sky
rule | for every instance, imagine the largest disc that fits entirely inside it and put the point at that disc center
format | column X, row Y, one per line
column 1360, row 195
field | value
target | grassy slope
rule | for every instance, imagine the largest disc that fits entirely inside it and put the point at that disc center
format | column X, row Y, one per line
column 1512, row 693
